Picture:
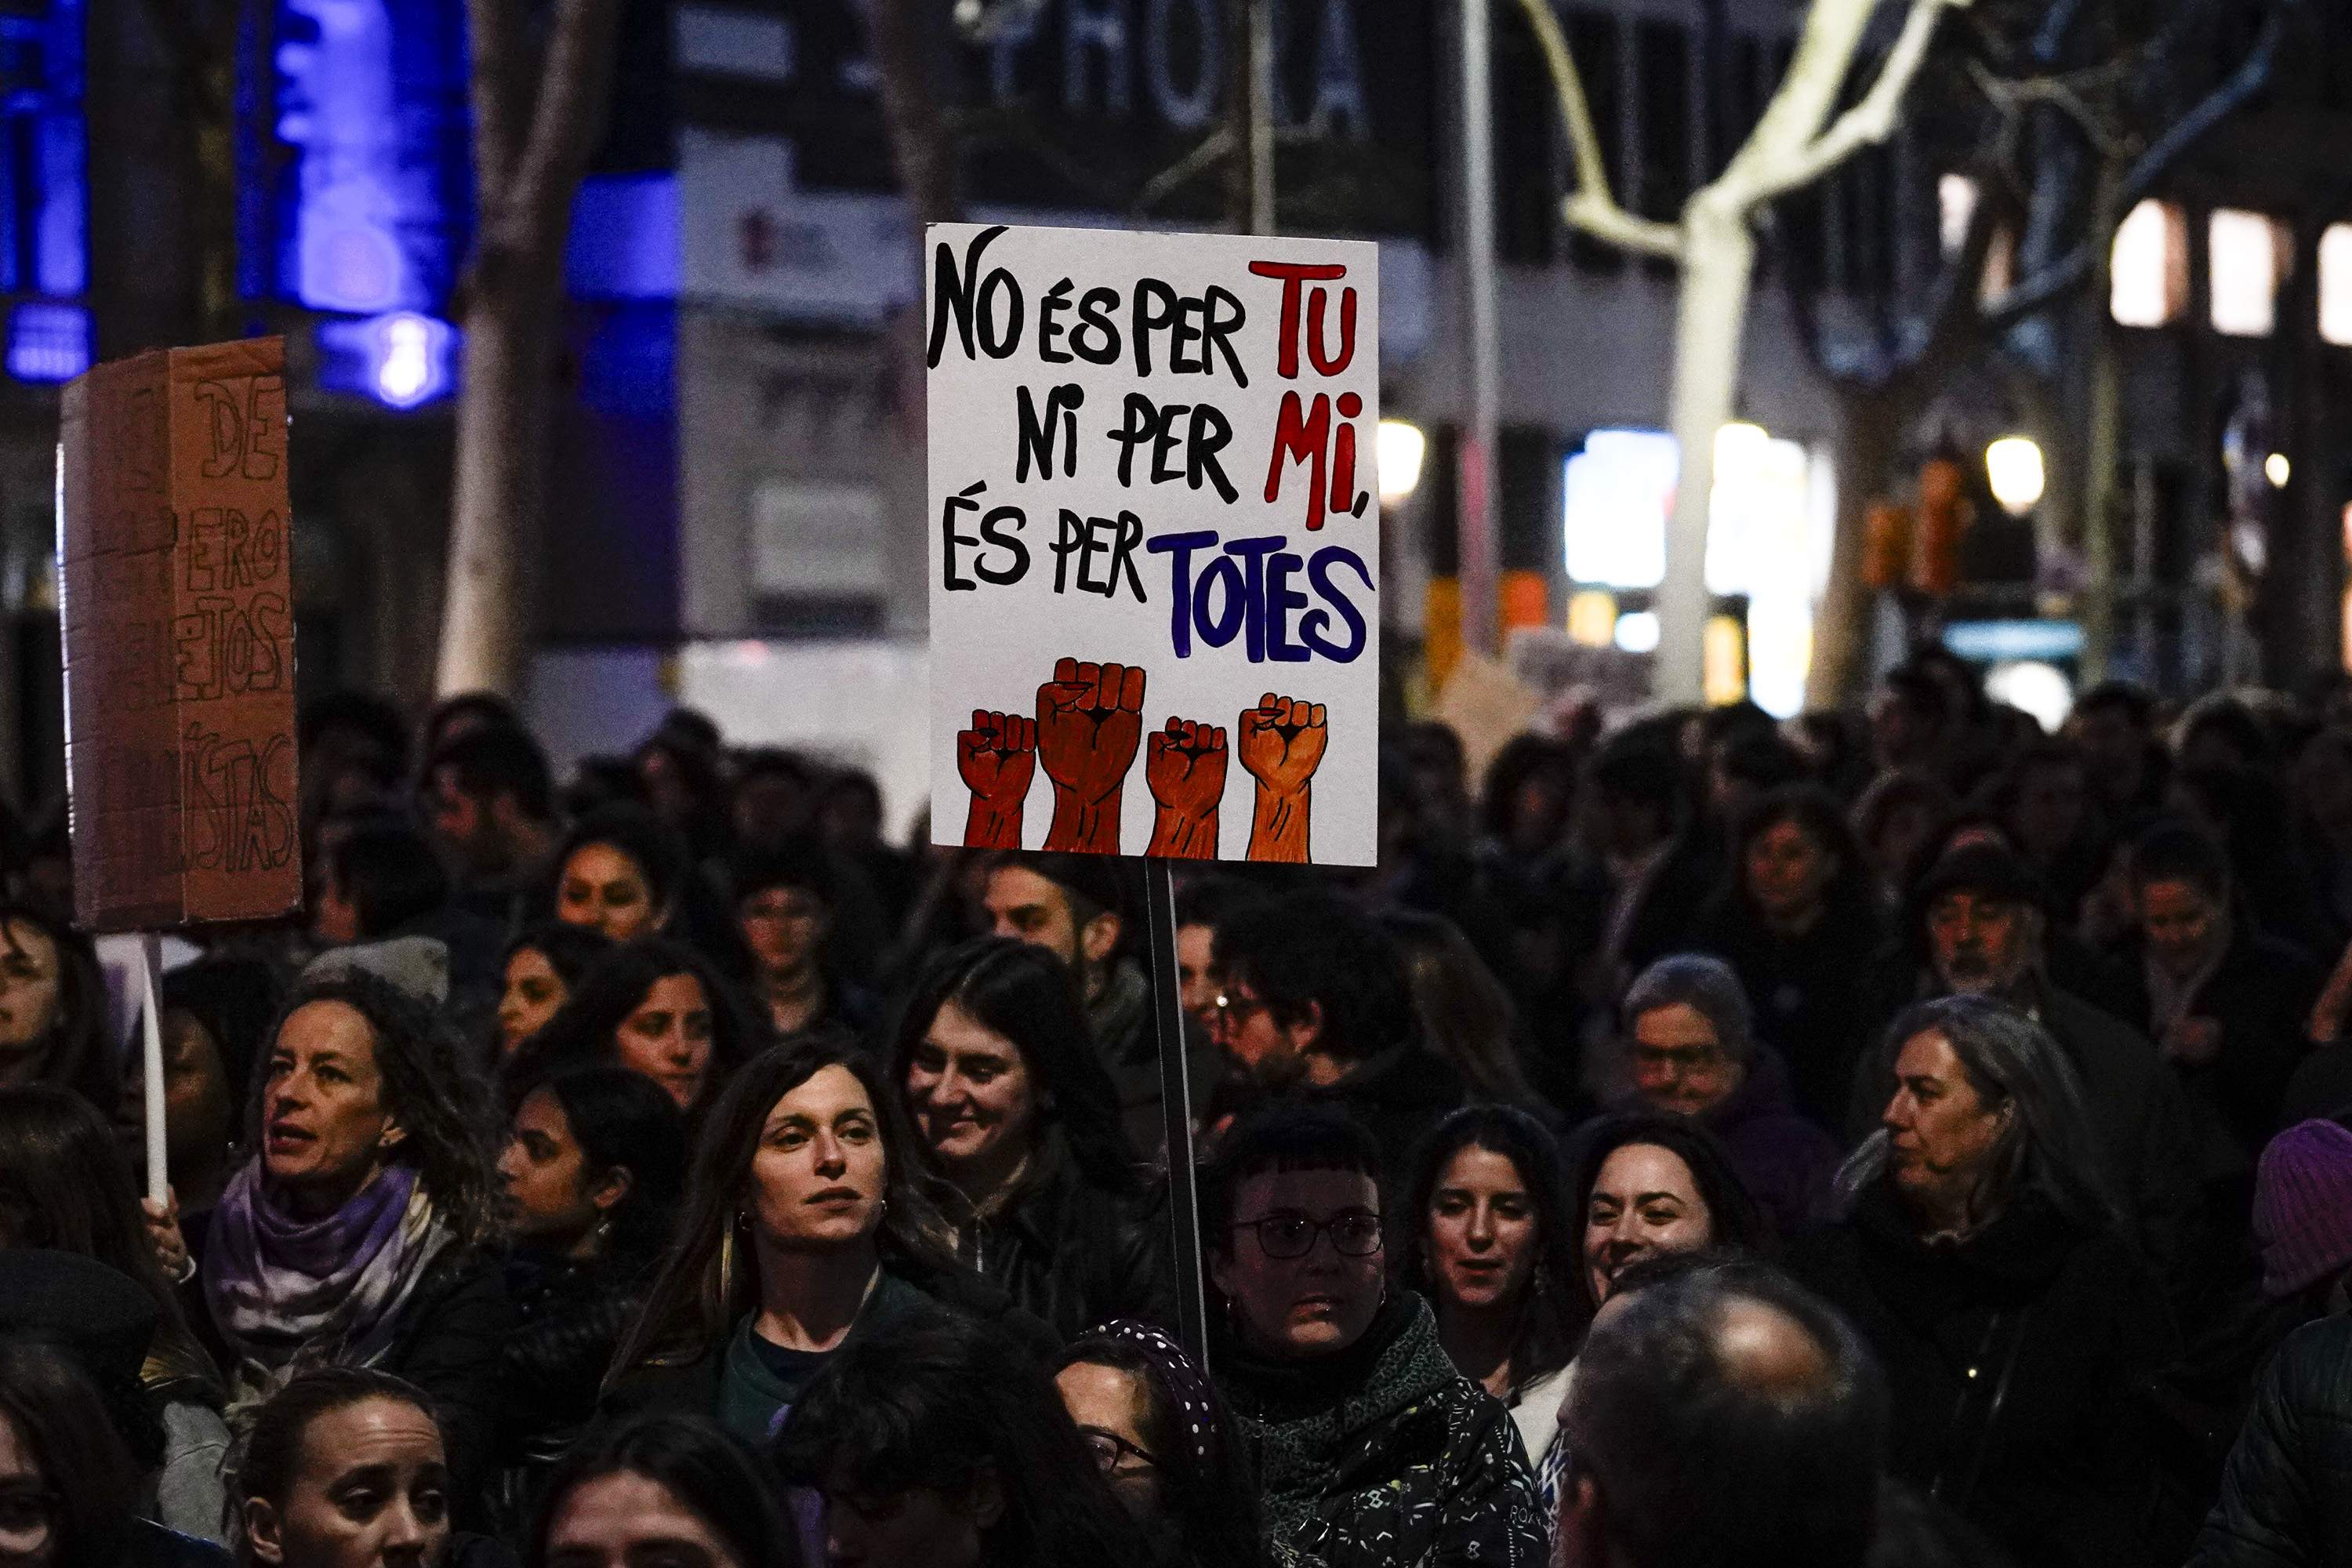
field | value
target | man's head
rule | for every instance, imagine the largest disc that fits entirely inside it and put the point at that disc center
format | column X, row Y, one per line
column 1201, row 906
column 784, row 904
column 1635, row 784
column 1909, row 719
column 2115, row 722
column 1308, row 974
column 1723, row 1418
column 1979, row 916
column 2180, row 887
column 1067, row 904
column 489, row 799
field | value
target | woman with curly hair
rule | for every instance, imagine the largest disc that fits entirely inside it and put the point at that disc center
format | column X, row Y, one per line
column 359, row 1232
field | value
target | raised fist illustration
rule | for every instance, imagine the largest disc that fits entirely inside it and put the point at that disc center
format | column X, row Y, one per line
column 1282, row 743
column 1185, row 767
column 996, row 757
column 1089, row 722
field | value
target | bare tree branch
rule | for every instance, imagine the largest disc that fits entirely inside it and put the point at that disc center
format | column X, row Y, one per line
column 576, row 88
column 1868, row 123
column 1590, row 206
column 2068, row 273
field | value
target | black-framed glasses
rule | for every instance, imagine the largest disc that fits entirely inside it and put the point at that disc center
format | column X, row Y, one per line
column 1109, row 1447
column 1356, row 1234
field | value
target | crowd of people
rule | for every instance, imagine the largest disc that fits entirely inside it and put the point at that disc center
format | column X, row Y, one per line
column 1894, row 1138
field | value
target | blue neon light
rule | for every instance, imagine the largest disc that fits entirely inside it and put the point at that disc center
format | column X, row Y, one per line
column 47, row 342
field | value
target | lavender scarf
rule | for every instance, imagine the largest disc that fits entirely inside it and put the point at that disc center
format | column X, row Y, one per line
column 287, row 1293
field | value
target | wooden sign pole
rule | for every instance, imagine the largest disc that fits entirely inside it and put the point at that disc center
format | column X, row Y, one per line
column 1176, row 1108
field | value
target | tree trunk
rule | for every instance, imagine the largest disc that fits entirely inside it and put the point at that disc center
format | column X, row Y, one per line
column 1870, row 426
column 1711, row 316
column 501, row 433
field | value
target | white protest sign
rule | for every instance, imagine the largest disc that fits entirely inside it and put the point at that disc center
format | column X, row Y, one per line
column 1154, row 543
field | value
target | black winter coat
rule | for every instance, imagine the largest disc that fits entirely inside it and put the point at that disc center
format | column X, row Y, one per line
column 1819, row 999
column 2016, row 1360
column 2134, row 1107
column 2261, row 994
column 2286, row 1495
column 570, row 1317
column 1382, row 1455
column 1073, row 1253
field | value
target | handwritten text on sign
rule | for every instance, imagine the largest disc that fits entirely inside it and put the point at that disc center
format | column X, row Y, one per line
column 1154, row 509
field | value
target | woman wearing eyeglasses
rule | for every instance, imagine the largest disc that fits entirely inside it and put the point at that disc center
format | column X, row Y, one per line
column 1164, row 1442
column 1370, row 1448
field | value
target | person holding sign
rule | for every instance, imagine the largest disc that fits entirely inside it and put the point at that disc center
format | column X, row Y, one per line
column 357, row 1232
column 1017, row 1118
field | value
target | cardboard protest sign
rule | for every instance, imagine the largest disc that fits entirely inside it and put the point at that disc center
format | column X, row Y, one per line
column 1155, row 552
column 178, row 622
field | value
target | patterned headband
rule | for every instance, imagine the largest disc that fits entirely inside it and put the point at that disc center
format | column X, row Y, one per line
column 1196, row 1409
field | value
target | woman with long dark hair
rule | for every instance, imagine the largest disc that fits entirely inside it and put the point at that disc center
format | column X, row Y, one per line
column 64, row 1185
column 804, row 1226
column 1015, row 1116
column 1162, row 1438
column 655, row 1007
column 217, row 1014
column 52, row 1007
column 1980, row 1256
column 543, row 969
column 940, row 1445
column 65, row 1474
column 1488, row 1241
column 593, row 1164
column 1800, row 920
column 661, row 1488
column 363, row 1229
column 624, row 872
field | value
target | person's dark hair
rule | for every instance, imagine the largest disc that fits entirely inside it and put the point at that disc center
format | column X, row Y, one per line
column 708, row 1470
column 938, row 1403
column 1210, row 1495
column 624, row 1120
column 1850, row 895
column 2175, row 851
column 389, row 874
column 1466, row 1016
column 801, row 862
column 429, row 1085
column 66, row 1185
column 585, row 1030
column 635, row 832
column 572, row 952
column 235, row 999
column 1549, row 1323
column 1026, row 995
column 706, row 1281
column 2225, row 717
column 76, row 1052
column 1760, row 760
column 492, row 760
column 1524, row 758
column 266, row 1461
column 1709, row 1452
column 361, row 713
column 774, row 762
column 1915, row 688
column 465, row 711
column 85, row 1467
column 1287, row 1135
column 2135, row 702
column 1899, row 789
column 1734, row 1220
column 1090, row 882
column 691, row 727
column 1207, row 901
column 2047, row 1148
column 1639, row 767
column 1311, row 949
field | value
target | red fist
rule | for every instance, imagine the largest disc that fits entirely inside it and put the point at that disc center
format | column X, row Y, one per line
column 996, row 758
column 1089, row 722
column 1185, row 767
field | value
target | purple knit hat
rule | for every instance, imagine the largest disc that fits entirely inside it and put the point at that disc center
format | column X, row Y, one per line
column 2303, row 1207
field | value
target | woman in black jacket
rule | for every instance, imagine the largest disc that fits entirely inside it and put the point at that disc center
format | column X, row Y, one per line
column 594, row 1161
column 1013, row 1112
column 1799, row 921
column 1980, row 1256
